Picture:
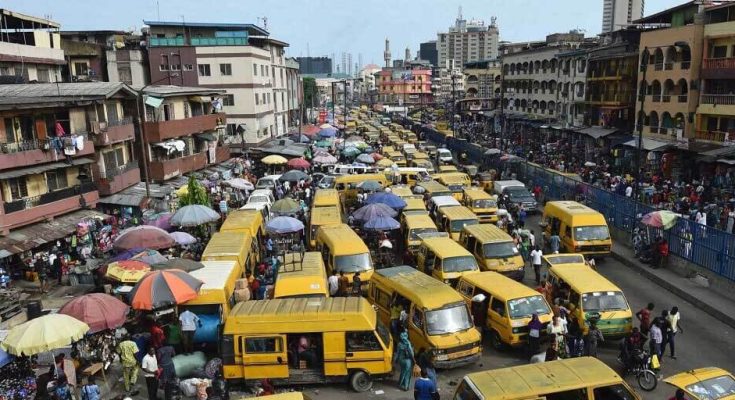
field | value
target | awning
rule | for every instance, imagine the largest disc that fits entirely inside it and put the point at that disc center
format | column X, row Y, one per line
column 649, row 144
column 200, row 99
column 154, row 102
column 206, row 136
column 32, row 236
column 38, row 169
column 127, row 200
column 598, row 131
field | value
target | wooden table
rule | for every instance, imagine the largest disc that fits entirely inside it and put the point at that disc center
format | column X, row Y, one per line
column 93, row 370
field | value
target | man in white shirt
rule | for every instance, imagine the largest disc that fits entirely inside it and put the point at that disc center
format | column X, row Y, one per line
column 149, row 365
column 189, row 324
column 701, row 217
column 629, row 191
column 333, row 283
column 536, row 261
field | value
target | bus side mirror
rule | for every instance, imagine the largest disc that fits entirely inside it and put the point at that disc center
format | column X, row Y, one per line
column 280, row 360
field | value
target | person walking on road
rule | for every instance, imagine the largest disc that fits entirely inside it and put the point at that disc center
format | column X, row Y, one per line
column 554, row 242
column 424, row 388
column 655, row 338
column 534, row 334
column 333, row 283
column 127, row 349
column 344, row 284
column 406, row 361
column 149, row 365
column 536, row 261
column 594, row 336
column 675, row 326
column 644, row 316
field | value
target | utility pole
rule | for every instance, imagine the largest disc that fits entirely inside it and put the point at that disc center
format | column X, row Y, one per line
column 334, row 99
column 641, row 117
column 345, row 103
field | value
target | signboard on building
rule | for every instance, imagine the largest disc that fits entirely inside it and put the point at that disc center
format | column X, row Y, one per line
column 322, row 117
column 402, row 75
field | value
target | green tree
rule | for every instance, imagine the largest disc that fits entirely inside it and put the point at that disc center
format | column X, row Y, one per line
column 196, row 194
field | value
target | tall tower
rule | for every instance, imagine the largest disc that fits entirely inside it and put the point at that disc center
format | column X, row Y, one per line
column 349, row 64
column 386, row 53
column 618, row 13
column 407, row 58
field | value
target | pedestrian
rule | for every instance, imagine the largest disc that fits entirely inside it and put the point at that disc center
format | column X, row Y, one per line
column 655, row 338
column 158, row 338
column 675, row 325
column 344, row 284
column 90, row 391
column 189, row 324
column 269, row 246
column 168, row 373
column 663, row 253
column 149, row 365
column 425, row 360
column 127, row 349
column 333, row 283
column 424, row 388
column 552, row 353
column 62, row 391
column 536, row 261
column 406, row 361
column 356, row 284
column 534, row 334
column 554, row 242
column 42, row 276
column 644, row 316
column 556, row 330
column 594, row 336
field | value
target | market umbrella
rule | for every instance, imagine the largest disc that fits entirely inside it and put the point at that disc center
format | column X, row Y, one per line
column 181, row 238
column 274, row 159
column 128, row 271
column 660, row 219
column 182, row 264
column 389, row 199
column 492, row 152
column 194, row 215
column 293, row 176
column 239, row 183
column 376, row 156
column 128, row 254
column 144, row 236
column 159, row 220
column 298, row 163
column 365, row 158
column 45, row 333
column 350, row 151
column 98, row 310
column 370, row 211
column 300, row 138
column 325, row 126
column 382, row 224
column 324, row 143
column 328, row 132
column 286, row 206
column 281, row 225
column 148, row 257
column 370, row 185
column 386, row 162
column 165, row 288
column 324, row 159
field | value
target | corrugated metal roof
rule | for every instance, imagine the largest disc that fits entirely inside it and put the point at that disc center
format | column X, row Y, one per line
column 43, row 168
column 73, row 89
column 171, row 90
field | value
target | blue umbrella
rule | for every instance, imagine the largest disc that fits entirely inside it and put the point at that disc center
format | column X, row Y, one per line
column 389, row 199
column 128, row 254
column 370, row 185
column 280, row 225
column 327, row 132
column 300, row 138
column 365, row 158
column 382, row 224
column 371, row 211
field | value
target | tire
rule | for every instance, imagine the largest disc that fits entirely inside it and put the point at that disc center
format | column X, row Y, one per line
column 360, row 381
column 647, row 380
column 496, row 342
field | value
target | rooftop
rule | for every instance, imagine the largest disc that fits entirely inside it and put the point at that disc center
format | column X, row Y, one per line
column 171, row 90
column 254, row 29
column 17, row 21
column 72, row 89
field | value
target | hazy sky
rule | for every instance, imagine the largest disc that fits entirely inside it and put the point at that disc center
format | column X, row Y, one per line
column 332, row 27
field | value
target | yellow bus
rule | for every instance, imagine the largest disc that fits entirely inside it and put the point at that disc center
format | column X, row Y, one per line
column 344, row 251
column 579, row 378
column 322, row 216
column 434, row 188
column 406, row 175
column 234, row 246
column 581, row 229
column 481, row 203
column 494, row 249
column 246, row 221
column 452, row 219
column 301, row 275
column 413, row 226
column 326, row 198
column 401, row 191
column 456, row 182
column 215, row 299
column 444, row 259
column 345, row 340
column 593, row 297
column 414, row 206
column 705, row 383
column 438, row 318
column 398, row 158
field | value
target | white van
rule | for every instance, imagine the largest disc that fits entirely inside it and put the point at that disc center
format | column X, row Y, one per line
column 438, row 202
column 444, row 155
column 264, row 208
column 268, row 182
column 346, row 169
column 262, row 196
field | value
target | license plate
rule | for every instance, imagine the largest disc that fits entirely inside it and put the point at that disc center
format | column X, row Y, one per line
column 461, row 354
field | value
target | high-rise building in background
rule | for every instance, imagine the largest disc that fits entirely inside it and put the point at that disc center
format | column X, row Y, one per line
column 428, row 52
column 618, row 13
column 314, row 65
column 468, row 41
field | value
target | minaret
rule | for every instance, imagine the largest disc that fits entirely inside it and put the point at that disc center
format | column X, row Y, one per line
column 386, row 53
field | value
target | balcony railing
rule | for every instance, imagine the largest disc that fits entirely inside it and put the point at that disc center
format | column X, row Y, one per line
column 23, row 145
column 669, row 66
column 656, row 98
column 718, row 63
column 666, row 98
column 658, row 66
column 721, row 99
column 119, row 170
column 715, row 136
column 683, row 98
column 50, row 197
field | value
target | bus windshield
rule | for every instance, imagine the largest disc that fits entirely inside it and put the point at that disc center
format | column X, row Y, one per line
column 499, row 250
column 486, row 203
column 456, row 226
column 591, row 233
column 603, row 301
column 448, row 320
column 459, row 264
column 414, row 234
column 353, row 263
column 527, row 306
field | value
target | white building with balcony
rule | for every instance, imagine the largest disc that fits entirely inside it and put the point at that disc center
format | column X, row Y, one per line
column 30, row 49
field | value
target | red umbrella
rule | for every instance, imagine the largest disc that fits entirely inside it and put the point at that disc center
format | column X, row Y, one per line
column 298, row 163
column 98, row 310
column 310, row 130
column 164, row 288
column 376, row 156
column 145, row 236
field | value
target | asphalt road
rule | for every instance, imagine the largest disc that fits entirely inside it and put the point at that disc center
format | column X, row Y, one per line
column 706, row 342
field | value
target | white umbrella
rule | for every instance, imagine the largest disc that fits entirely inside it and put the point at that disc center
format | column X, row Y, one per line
column 194, row 215
column 239, row 183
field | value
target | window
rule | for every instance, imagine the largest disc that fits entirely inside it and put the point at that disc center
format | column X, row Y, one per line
column 255, row 69
column 228, row 100
column 362, row 341
column 231, row 129
column 262, row 70
column 225, row 69
column 719, row 52
column 381, row 298
column 188, row 67
column 498, row 307
column 81, row 68
column 263, row 98
column 612, row 392
column 56, row 180
column 268, row 96
column 18, row 188
column 186, row 110
column 257, row 99
column 175, row 67
column 576, row 394
column 43, row 75
column 204, row 70
column 418, row 318
column 263, row 345
column 466, row 289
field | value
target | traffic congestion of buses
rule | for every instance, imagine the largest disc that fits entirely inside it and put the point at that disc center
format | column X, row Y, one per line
column 464, row 283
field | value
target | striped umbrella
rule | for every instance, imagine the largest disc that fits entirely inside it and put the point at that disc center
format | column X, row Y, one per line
column 159, row 289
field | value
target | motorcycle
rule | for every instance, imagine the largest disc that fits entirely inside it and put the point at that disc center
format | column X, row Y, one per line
column 640, row 366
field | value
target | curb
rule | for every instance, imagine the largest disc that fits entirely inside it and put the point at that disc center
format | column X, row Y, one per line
column 674, row 289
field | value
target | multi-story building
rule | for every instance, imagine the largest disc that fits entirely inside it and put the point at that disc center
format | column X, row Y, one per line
column 405, row 86
column 240, row 58
column 368, row 86
column 314, row 65
column 182, row 130
column 127, row 61
column 86, row 54
column 617, row 14
column 716, row 112
column 612, row 81
column 448, row 84
column 571, row 88
column 468, row 41
column 59, row 143
column 30, row 49
column 671, row 58
column 482, row 79
column 428, row 52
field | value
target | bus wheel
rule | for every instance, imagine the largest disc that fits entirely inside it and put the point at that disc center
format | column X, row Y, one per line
column 361, row 381
column 495, row 341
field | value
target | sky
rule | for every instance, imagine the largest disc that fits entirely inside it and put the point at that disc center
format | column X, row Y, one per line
column 326, row 27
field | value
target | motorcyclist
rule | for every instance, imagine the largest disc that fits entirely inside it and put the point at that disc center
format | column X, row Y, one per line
column 631, row 346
